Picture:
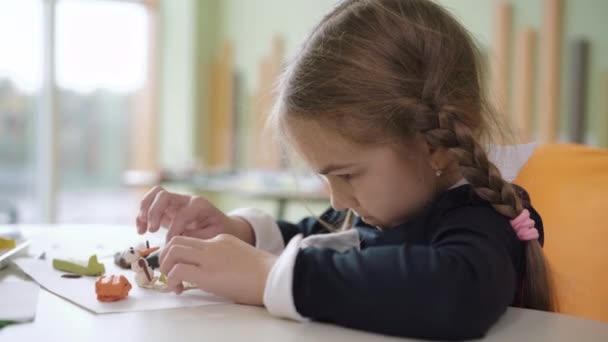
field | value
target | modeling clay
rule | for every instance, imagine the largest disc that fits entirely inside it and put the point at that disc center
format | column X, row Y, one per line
column 112, row 288
column 93, row 268
column 160, row 285
column 153, row 259
column 126, row 258
column 144, row 274
column 120, row 261
column 7, row 243
column 71, row 276
column 144, row 249
column 145, row 252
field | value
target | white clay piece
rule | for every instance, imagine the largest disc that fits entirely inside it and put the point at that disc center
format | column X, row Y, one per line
column 144, row 274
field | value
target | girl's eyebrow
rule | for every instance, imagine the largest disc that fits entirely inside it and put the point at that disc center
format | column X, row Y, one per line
column 333, row 167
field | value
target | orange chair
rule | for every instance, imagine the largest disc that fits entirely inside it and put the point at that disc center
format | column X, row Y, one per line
column 568, row 185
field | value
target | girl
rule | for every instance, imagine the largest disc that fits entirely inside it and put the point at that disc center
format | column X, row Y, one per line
column 424, row 237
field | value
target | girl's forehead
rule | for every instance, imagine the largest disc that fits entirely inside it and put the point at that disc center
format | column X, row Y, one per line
column 320, row 145
column 325, row 149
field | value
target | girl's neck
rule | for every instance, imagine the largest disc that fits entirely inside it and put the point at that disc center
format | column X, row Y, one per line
column 451, row 178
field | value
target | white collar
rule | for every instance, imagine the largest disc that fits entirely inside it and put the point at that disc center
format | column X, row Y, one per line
column 461, row 182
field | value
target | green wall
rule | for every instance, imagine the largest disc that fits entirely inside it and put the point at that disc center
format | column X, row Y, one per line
column 582, row 19
column 178, row 37
column 252, row 24
column 193, row 31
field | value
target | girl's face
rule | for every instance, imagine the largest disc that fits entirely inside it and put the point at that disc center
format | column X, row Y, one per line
column 379, row 184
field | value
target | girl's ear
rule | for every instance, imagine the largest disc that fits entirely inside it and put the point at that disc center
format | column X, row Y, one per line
column 440, row 159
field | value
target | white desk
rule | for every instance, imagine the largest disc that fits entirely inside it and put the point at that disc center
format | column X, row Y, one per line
column 59, row 320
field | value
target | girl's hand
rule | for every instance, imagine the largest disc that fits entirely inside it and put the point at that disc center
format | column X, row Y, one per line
column 224, row 265
column 189, row 216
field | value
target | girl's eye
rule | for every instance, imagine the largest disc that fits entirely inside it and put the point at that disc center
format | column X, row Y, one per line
column 346, row 177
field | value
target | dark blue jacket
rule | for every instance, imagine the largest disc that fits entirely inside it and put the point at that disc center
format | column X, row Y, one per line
column 449, row 273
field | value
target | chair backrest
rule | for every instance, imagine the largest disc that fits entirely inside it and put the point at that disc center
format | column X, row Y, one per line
column 568, row 185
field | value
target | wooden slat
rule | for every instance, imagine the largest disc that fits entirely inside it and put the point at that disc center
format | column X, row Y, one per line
column 550, row 63
column 524, row 84
column 220, row 125
column 501, row 56
column 260, row 103
column 578, row 89
column 603, row 119
column 238, row 128
column 267, row 154
column 145, row 142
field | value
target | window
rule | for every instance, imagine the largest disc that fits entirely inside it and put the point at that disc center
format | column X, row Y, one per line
column 101, row 80
column 20, row 85
column 101, row 56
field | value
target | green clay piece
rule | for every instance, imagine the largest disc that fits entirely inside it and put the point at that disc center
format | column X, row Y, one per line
column 5, row 323
column 163, row 279
column 93, row 268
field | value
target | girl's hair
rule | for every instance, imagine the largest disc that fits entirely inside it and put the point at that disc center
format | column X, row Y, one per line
column 384, row 71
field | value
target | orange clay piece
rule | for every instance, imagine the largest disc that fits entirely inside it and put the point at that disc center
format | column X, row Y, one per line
column 112, row 288
column 145, row 252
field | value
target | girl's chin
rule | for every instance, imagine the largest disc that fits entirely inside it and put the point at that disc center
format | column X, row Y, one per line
column 369, row 220
column 372, row 221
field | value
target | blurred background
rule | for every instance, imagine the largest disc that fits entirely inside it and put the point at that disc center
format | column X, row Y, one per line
column 102, row 99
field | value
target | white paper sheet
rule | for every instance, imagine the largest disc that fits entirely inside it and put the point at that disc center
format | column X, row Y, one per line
column 81, row 291
column 18, row 300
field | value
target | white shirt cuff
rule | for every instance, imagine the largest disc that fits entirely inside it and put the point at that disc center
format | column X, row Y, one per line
column 268, row 236
column 278, row 294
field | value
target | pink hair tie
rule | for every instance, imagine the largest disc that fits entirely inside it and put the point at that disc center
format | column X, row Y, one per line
column 524, row 226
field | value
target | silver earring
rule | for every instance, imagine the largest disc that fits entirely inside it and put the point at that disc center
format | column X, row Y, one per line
column 438, row 172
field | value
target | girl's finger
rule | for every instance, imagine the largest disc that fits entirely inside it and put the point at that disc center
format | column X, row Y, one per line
column 179, row 254
column 166, row 219
column 180, row 273
column 161, row 202
column 141, row 225
column 196, row 207
column 147, row 201
column 142, row 218
column 183, row 241
column 207, row 232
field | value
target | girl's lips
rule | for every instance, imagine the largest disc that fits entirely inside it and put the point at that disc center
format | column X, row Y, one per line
column 360, row 214
column 366, row 218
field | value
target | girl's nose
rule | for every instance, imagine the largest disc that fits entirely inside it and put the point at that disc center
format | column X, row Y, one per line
column 341, row 200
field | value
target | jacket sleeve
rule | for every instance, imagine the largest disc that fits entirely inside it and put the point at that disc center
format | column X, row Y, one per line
column 272, row 235
column 309, row 225
column 454, row 288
